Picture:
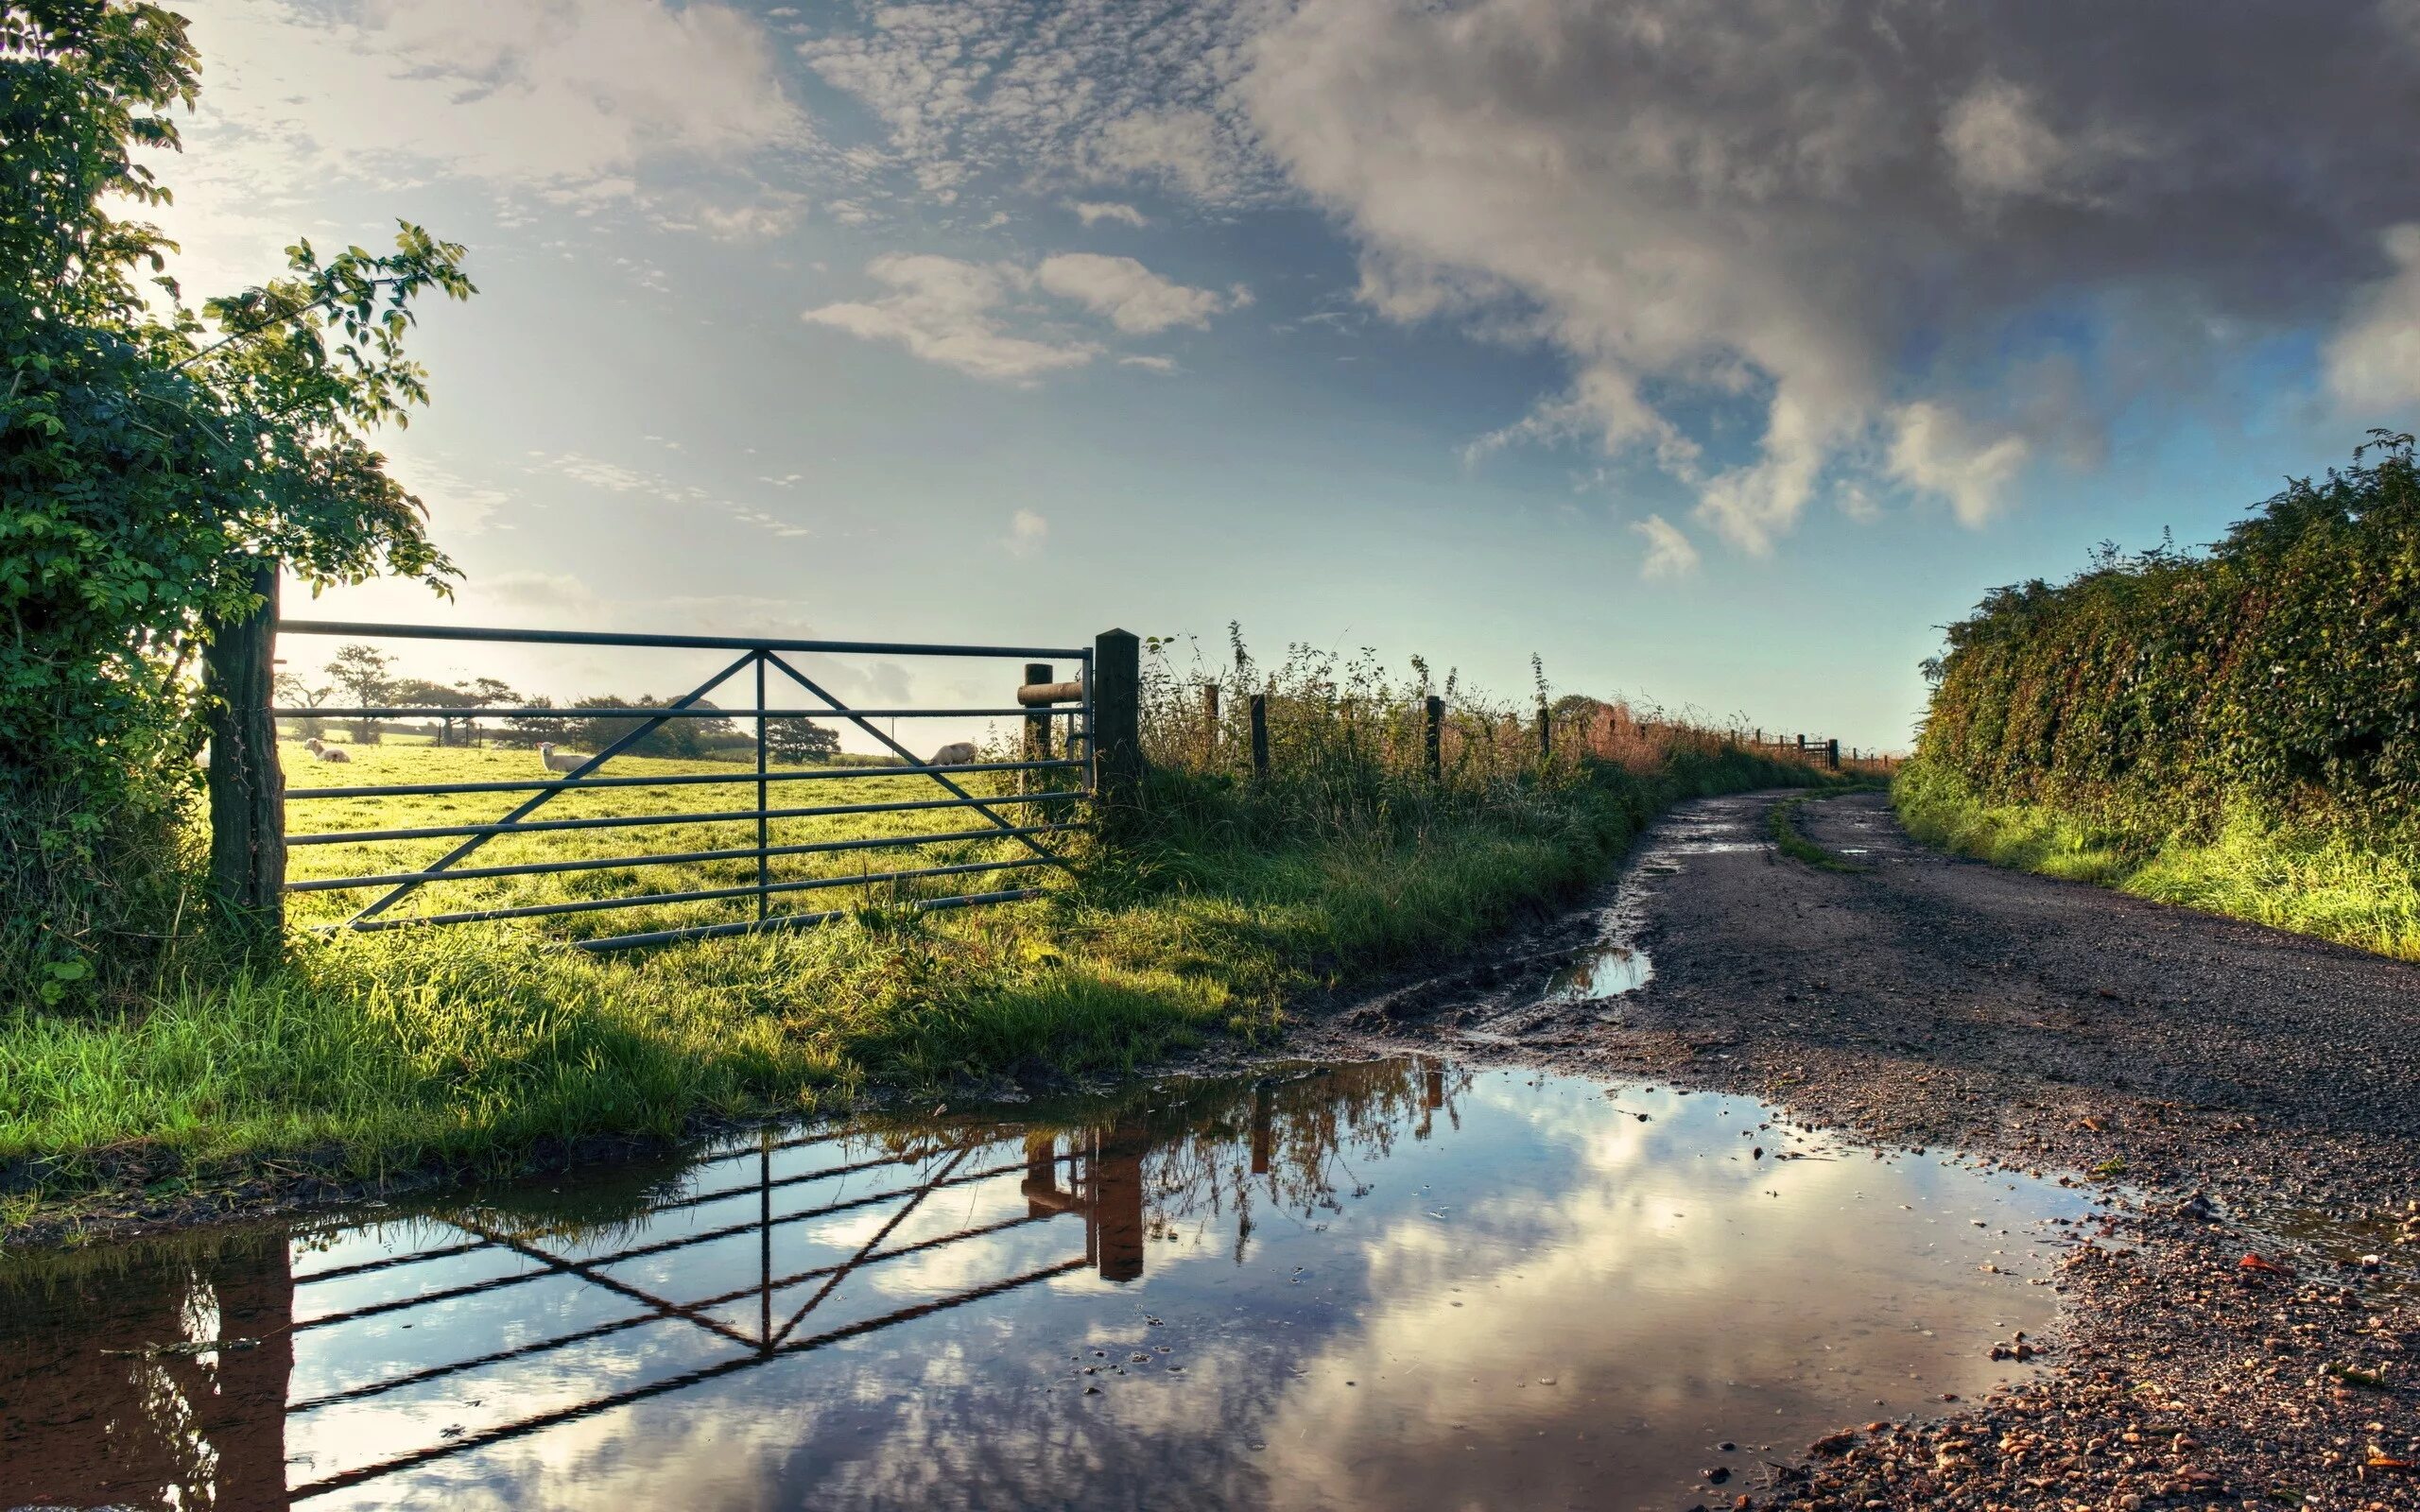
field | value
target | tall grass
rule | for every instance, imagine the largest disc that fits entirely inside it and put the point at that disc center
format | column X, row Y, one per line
column 473, row 1045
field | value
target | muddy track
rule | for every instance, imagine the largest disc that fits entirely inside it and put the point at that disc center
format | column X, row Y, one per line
column 2243, row 1091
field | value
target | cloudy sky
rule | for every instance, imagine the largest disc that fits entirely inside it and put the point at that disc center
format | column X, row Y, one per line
column 1716, row 350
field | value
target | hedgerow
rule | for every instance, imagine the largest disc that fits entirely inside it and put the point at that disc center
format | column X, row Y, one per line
column 2157, row 696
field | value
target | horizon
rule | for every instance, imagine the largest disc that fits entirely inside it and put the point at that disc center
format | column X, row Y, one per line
column 1717, row 359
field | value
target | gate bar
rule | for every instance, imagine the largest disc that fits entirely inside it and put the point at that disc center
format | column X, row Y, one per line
column 537, row 868
column 676, row 643
column 591, row 905
column 612, row 821
column 749, row 926
column 672, row 779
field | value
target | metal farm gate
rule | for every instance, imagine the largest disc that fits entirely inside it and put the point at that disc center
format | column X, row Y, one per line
column 1058, row 769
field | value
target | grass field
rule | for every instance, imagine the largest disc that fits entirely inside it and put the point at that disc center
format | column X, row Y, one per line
column 792, row 787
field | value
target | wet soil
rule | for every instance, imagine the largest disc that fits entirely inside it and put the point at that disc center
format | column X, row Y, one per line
column 2254, row 1095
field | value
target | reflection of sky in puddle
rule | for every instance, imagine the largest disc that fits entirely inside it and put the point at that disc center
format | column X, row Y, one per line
column 1387, row 1285
column 1603, row 969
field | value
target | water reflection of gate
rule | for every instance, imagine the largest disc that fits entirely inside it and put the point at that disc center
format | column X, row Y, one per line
column 1103, row 1187
column 702, row 1266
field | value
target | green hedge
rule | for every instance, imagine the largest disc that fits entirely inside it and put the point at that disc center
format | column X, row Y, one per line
column 2276, row 674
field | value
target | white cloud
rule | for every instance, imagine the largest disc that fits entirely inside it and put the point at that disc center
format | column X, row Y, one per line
column 1937, row 452
column 2374, row 359
column 1697, row 218
column 554, row 93
column 1026, row 532
column 1153, row 364
column 1669, row 554
column 1136, row 299
column 948, row 311
column 537, row 591
column 978, row 318
column 1093, row 212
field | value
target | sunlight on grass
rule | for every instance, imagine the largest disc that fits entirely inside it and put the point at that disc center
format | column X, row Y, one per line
column 2311, row 884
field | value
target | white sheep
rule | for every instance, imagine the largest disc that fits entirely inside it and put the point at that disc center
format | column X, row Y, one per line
column 321, row 751
column 956, row 753
column 567, row 762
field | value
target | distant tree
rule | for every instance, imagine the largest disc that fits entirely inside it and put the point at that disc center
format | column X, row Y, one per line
column 687, row 737
column 799, row 740
column 420, row 693
column 533, row 729
column 364, row 672
column 292, row 688
column 487, row 693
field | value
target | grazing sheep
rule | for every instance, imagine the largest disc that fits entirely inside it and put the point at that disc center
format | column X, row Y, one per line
column 956, row 753
column 567, row 762
column 321, row 751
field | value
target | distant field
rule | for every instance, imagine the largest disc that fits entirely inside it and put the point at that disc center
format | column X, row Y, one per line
column 394, row 763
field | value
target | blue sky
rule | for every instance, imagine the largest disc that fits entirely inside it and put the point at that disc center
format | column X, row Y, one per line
column 1718, row 353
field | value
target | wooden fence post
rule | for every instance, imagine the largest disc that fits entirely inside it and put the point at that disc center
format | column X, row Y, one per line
column 1037, row 727
column 1433, row 738
column 1210, row 716
column 247, row 787
column 1546, row 734
column 1117, row 718
column 1260, row 737
column 1832, row 754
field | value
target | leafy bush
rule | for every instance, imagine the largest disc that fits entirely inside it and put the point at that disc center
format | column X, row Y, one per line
column 150, row 454
column 2276, row 676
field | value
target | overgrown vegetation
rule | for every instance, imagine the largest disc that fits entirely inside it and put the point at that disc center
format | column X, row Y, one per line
column 148, row 453
column 2236, row 729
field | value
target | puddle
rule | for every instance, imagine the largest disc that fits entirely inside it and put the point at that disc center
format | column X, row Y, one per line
column 1398, row 1284
column 1604, row 970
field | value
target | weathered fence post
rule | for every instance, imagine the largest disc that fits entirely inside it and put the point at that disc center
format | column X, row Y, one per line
column 1037, row 728
column 1260, row 737
column 1546, row 734
column 1210, row 716
column 1802, row 747
column 1832, row 754
column 1117, row 718
column 1433, row 738
column 247, row 787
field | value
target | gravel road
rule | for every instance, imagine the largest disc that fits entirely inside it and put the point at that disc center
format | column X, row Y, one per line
column 2251, row 1098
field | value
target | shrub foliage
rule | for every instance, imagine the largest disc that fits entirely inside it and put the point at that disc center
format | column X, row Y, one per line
column 2277, row 673
column 149, row 451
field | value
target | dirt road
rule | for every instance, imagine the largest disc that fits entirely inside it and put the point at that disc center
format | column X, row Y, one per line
column 2243, row 1093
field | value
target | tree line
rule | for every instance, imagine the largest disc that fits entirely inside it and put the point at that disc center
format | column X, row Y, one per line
column 366, row 676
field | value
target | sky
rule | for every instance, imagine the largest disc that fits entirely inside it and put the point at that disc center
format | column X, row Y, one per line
column 1717, row 352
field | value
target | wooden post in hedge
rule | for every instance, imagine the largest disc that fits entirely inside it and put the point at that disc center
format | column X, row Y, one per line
column 247, row 787
column 1210, row 716
column 1260, row 737
column 1546, row 734
column 1118, row 719
column 1832, row 754
column 1433, row 738
column 1037, row 731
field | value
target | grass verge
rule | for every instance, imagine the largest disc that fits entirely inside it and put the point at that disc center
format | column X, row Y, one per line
column 2315, row 884
column 472, row 1047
